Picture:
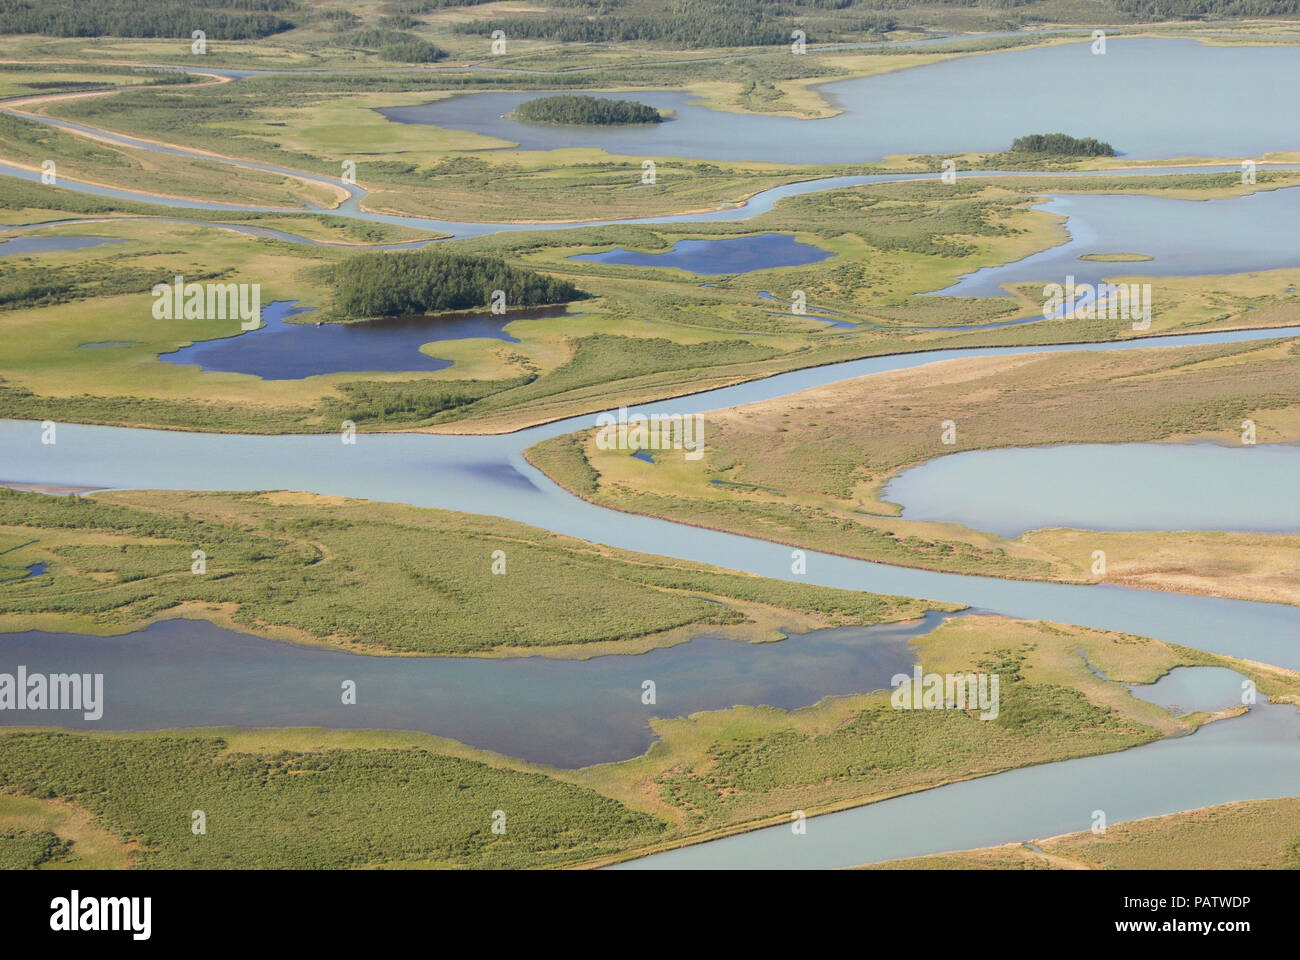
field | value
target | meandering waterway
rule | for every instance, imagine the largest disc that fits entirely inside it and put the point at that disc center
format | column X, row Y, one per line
column 1252, row 756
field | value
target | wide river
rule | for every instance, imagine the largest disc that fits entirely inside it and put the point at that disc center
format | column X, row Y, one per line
column 1190, row 111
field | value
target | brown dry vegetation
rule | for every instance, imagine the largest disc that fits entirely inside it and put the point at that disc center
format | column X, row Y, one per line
column 808, row 469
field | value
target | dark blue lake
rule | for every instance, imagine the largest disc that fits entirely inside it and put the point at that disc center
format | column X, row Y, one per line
column 729, row 255
column 290, row 351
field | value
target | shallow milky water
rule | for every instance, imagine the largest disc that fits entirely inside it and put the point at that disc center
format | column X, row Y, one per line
column 1183, row 238
column 488, row 474
column 1122, row 486
column 1185, row 690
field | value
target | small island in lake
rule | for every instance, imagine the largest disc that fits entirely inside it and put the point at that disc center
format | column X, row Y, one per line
column 594, row 111
column 1062, row 145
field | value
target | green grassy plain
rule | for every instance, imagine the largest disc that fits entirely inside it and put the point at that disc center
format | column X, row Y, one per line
column 349, row 804
column 644, row 334
column 381, row 579
column 28, row 143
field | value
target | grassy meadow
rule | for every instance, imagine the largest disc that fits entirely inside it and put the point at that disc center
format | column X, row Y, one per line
column 377, row 578
column 28, row 143
column 643, row 334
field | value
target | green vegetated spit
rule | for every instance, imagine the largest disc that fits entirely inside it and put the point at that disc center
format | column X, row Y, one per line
column 383, row 578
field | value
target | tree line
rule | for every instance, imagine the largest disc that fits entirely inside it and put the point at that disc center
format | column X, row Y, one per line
column 1201, row 9
column 689, row 24
column 395, row 45
column 570, row 108
column 687, row 31
column 219, row 19
column 1062, row 145
column 431, row 280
